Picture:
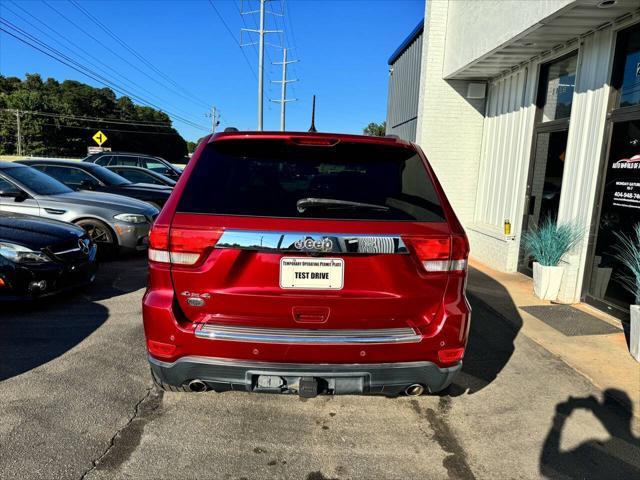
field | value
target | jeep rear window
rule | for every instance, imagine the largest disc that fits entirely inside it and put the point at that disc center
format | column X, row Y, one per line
column 268, row 178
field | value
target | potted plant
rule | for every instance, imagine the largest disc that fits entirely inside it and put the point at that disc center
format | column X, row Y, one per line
column 546, row 244
column 628, row 253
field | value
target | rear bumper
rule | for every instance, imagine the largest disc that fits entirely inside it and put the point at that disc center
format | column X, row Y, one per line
column 132, row 237
column 377, row 378
column 55, row 278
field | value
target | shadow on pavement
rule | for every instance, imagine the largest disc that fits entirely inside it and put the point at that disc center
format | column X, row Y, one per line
column 491, row 338
column 36, row 332
column 618, row 457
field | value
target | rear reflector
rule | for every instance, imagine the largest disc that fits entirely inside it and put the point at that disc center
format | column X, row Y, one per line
column 181, row 246
column 451, row 355
column 159, row 349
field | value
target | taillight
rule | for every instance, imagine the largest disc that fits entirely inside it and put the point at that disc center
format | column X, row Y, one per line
column 445, row 254
column 459, row 253
column 181, row 246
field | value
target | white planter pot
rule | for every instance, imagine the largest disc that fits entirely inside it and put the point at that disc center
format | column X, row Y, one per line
column 546, row 281
column 634, row 332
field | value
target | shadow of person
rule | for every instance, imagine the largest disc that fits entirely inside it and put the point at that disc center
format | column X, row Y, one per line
column 618, row 457
column 491, row 336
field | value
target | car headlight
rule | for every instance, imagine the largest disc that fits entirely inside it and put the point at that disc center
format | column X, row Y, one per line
column 131, row 218
column 20, row 254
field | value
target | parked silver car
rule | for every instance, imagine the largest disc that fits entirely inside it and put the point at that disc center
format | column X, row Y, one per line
column 112, row 221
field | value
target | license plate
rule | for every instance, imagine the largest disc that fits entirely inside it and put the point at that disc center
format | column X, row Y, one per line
column 312, row 273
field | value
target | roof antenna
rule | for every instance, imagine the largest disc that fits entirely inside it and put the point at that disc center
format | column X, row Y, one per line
column 313, row 117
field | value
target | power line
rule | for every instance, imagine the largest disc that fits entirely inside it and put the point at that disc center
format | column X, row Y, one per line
column 77, row 47
column 239, row 7
column 66, row 60
column 287, row 14
column 293, row 43
column 234, row 38
column 95, row 119
column 106, row 47
column 136, row 54
column 6, row 122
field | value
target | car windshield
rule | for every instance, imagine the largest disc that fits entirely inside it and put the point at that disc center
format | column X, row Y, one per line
column 108, row 177
column 37, row 181
column 351, row 180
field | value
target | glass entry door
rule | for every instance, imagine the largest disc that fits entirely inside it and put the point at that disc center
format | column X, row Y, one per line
column 545, row 183
column 556, row 85
column 618, row 206
column 619, row 212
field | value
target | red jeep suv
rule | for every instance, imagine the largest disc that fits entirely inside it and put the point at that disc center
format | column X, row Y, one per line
column 307, row 263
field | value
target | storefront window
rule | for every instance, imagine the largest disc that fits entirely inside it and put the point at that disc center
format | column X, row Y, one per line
column 559, row 81
column 620, row 212
column 629, row 61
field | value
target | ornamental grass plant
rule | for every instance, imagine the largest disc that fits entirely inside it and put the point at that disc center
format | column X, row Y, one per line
column 548, row 242
column 628, row 253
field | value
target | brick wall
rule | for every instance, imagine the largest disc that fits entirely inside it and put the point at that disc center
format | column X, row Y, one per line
column 449, row 125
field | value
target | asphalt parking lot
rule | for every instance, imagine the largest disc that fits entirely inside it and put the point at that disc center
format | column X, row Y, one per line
column 77, row 401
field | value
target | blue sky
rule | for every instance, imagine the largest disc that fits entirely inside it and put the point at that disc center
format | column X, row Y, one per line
column 343, row 47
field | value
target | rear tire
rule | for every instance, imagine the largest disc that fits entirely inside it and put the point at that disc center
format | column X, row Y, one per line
column 166, row 387
column 101, row 234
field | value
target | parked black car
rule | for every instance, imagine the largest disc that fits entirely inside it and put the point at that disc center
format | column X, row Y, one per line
column 41, row 257
column 142, row 175
column 89, row 176
column 155, row 164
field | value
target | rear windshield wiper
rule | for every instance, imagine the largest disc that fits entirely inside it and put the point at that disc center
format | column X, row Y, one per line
column 330, row 204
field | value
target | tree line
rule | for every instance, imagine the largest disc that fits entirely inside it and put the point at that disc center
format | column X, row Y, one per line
column 49, row 114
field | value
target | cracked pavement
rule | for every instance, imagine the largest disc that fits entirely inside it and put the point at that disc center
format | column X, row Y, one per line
column 77, row 401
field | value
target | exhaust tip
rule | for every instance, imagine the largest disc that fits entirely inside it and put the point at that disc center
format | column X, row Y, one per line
column 414, row 390
column 197, row 385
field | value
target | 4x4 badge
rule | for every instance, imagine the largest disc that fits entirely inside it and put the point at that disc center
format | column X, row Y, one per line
column 324, row 244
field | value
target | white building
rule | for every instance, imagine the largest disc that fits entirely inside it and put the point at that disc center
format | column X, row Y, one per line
column 529, row 109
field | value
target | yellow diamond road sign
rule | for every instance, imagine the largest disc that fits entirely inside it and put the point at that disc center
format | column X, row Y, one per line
column 99, row 138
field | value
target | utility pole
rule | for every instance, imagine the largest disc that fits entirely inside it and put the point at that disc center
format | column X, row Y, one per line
column 283, row 88
column 215, row 118
column 261, row 33
column 19, row 133
column 261, row 66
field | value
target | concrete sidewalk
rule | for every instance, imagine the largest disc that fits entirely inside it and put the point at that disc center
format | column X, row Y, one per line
column 603, row 359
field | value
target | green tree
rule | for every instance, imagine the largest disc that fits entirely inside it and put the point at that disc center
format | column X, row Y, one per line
column 191, row 146
column 50, row 123
column 376, row 129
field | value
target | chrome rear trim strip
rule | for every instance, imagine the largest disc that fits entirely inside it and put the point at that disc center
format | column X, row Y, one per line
column 64, row 252
column 302, row 242
column 306, row 336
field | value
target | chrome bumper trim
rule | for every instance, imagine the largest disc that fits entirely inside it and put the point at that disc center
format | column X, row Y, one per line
column 306, row 336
